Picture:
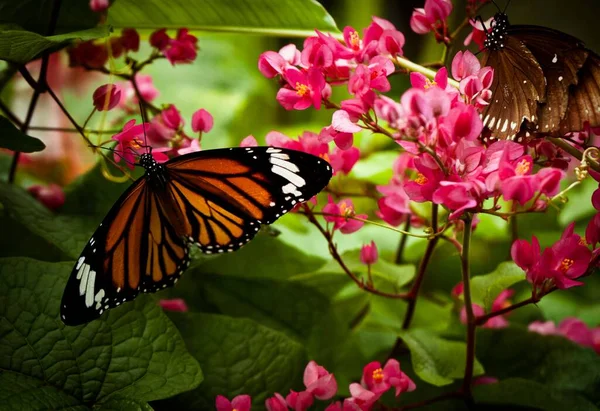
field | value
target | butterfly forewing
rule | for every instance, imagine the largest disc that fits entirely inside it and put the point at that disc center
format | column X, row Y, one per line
column 216, row 199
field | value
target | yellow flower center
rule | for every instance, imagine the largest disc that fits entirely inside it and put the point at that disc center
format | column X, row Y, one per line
column 302, row 89
column 346, row 210
column 136, row 143
column 583, row 242
column 421, row 179
column 354, row 40
column 378, row 375
column 429, row 83
column 523, row 167
column 565, row 264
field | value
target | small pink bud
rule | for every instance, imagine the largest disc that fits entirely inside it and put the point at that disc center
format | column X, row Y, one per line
column 52, row 196
column 368, row 253
column 159, row 39
column 175, row 304
column 98, row 5
column 249, row 141
column 172, row 118
column 202, row 121
column 239, row 403
column 276, row 403
column 107, row 97
column 130, row 39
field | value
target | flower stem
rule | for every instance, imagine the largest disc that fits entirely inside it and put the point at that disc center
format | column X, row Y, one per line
column 403, row 240
column 471, row 320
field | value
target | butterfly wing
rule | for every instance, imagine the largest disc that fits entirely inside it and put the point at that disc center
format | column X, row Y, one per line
column 561, row 57
column 226, row 194
column 135, row 249
column 517, row 87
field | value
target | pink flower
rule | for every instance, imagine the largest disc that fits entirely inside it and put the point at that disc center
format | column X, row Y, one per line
column 456, row 196
column 341, row 139
column 516, row 182
column 378, row 380
column 129, row 100
column 549, row 180
column 249, row 141
column 500, row 302
column 276, row 403
column 319, row 382
column 160, row 39
column 182, row 49
column 478, row 34
column 592, row 232
column 338, row 215
column 107, row 97
column 544, row 328
column 343, row 161
column 419, row 80
column 462, row 123
column 129, row 141
column 299, row 401
column 190, row 145
column 175, row 304
column 341, row 122
column 130, row 39
column 303, row 89
column 371, row 77
column 165, row 125
column 572, row 328
column 271, row 64
column 239, row 403
column 428, row 179
column 435, row 11
column 52, row 196
column 368, row 253
column 98, row 5
column 361, row 397
column 202, row 121
column 465, row 65
column 419, row 22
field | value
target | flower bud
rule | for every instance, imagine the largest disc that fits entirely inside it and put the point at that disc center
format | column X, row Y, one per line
column 369, row 254
column 106, row 97
column 202, row 121
column 52, row 196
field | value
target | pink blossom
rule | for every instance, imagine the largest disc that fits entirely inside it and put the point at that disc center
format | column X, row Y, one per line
column 341, row 122
column 388, row 213
column 592, row 232
column 339, row 214
column 175, row 304
column 372, row 77
column 317, row 53
column 106, row 97
column 249, row 141
column 390, row 111
column 362, row 397
column 368, row 253
column 271, row 64
column 182, row 49
column 440, row 80
column 129, row 141
column 516, row 182
column 435, row 12
column 419, row 22
column 549, row 180
column 462, row 123
column 342, row 161
column 342, row 140
column 303, row 90
column 544, row 328
column 572, row 328
column 276, row 403
column 465, row 64
column 319, row 381
column 129, row 100
column 239, row 403
column 428, row 179
column 478, row 34
column 299, row 401
column 130, row 39
column 190, row 145
column 160, row 39
column 202, row 121
column 378, row 380
column 165, row 126
column 457, row 196
column 98, row 5
column 52, row 196
column 500, row 302
column 391, row 43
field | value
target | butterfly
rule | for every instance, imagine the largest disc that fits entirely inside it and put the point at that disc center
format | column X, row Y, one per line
column 545, row 81
column 215, row 199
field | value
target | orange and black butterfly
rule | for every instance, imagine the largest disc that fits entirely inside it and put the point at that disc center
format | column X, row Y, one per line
column 215, row 199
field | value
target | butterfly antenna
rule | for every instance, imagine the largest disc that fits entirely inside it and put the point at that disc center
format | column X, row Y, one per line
column 112, row 150
column 499, row 10
column 144, row 119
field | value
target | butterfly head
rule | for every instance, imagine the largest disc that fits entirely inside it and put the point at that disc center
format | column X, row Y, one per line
column 497, row 36
column 147, row 161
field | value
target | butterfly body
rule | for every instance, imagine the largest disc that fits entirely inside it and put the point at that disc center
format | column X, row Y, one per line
column 214, row 199
column 545, row 81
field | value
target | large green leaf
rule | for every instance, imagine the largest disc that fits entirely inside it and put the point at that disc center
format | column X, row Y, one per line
column 283, row 17
column 436, row 360
column 485, row 288
column 21, row 46
column 134, row 352
column 533, row 395
column 550, row 360
column 13, row 139
column 34, row 15
column 237, row 356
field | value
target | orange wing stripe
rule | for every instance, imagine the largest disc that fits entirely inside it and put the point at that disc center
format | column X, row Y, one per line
column 253, row 189
column 212, row 165
column 121, row 220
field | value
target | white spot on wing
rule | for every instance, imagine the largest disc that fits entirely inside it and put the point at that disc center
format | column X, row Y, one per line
column 505, row 126
column 85, row 270
column 288, row 175
column 555, row 59
column 273, row 150
column 291, row 189
column 285, row 164
column 79, row 262
column 89, row 292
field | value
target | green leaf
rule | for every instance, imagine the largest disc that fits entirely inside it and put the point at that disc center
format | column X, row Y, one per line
column 579, row 206
column 526, row 393
column 21, row 46
column 11, row 138
column 547, row 359
column 134, row 352
column 485, row 288
column 265, row 257
column 281, row 17
column 67, row 234
column 34, row 15
column 435, row 360
column 237, row 356
column 376, row 168
column 123, row 404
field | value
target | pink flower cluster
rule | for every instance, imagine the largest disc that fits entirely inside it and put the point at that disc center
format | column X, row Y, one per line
column 321, row 385
column 363, row 65
column 501, row 301
column 432, row 17
column 164, row 134
column 179, row 50
column 557, row 266
column 572, row 328
column 90, row 54
column 450, row 164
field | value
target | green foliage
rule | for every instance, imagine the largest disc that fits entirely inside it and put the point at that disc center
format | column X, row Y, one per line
column 257, row 16
column 485, row 288
column 237, row 356
column 13, row 139
column 134, row 354
column 436, row 360
column 21, row 46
